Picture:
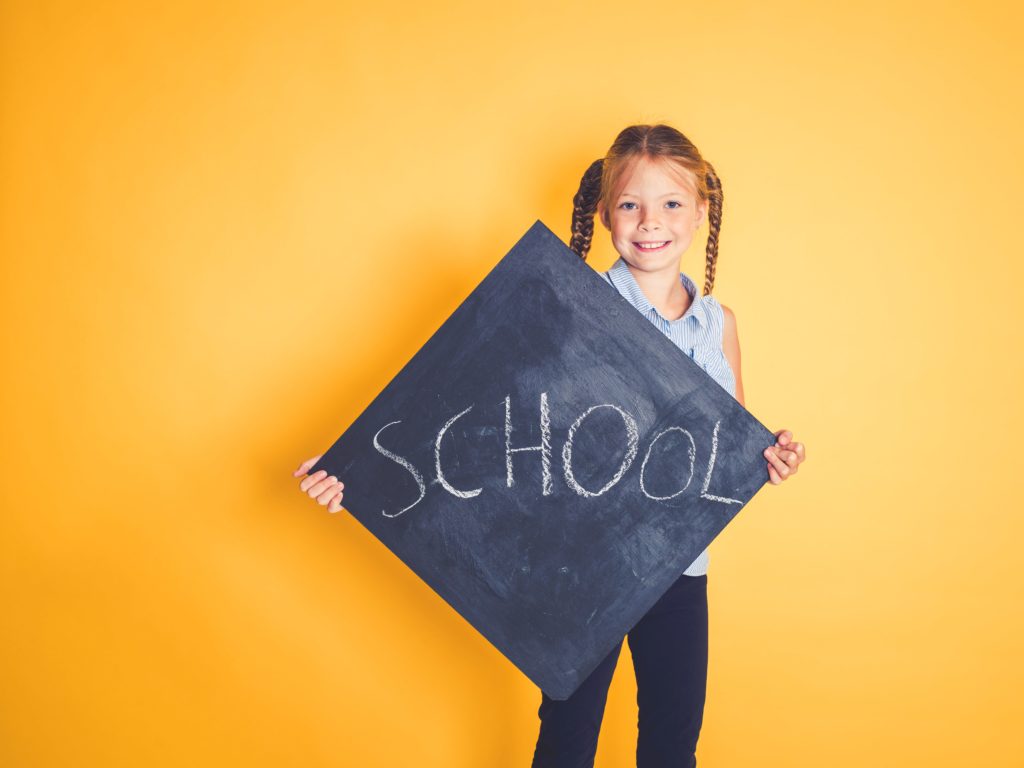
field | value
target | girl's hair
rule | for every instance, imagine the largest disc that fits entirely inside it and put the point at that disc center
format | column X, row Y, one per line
column 653, row 142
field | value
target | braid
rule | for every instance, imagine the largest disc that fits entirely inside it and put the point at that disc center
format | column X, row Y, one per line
column 714, row 226
column 584, row 205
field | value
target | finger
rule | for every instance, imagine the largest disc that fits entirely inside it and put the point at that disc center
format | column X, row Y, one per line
column 791, row 458
column 329, row 492
column 780, row 466
column 773, row 475
column 318, row 483
column 317, row 489
column 783, row 436
column 798, row 449
column 311, row 480
column 304, row 466
column 335, row 505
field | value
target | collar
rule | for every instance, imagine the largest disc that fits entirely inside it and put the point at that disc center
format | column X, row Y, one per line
column 626, row 284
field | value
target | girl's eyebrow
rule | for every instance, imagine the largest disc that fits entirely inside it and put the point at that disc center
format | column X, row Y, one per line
column 667, row 194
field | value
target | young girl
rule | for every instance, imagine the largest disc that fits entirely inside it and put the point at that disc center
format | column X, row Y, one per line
column 651, row 192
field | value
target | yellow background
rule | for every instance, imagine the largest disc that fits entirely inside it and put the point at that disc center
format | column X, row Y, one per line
column 225, row 228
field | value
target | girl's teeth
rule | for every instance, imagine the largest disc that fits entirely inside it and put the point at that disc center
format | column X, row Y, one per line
column 648, row 246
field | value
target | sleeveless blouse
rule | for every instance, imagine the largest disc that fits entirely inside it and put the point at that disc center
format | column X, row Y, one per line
column 698, row 333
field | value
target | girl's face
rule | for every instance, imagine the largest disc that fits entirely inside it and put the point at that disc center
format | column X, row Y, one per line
column 655, row 205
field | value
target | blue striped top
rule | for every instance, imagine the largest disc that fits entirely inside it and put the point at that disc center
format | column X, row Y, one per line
column 698, row 333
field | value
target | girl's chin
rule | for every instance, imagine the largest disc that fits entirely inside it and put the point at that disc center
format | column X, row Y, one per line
column 652, row 265
column 664, row 255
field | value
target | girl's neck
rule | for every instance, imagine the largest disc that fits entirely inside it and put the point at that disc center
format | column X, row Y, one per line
column 664, row 290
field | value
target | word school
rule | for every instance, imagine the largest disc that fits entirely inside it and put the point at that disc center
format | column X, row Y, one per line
column 632, row 435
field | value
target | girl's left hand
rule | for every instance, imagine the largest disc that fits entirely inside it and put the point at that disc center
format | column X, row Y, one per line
column 784, row 457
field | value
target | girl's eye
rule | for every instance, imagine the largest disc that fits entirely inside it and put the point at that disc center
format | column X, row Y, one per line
column 671, row 203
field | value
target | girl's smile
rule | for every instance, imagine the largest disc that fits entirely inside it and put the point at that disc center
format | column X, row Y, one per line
column 653, row 245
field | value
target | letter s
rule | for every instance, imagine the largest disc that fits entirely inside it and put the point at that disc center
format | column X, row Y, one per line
column 405, row 463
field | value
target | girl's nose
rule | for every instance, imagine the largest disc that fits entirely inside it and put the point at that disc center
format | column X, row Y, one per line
column 648, row 221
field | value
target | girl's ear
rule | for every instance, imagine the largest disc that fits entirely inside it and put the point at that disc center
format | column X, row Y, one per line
column 702, row 213
column 602, row 214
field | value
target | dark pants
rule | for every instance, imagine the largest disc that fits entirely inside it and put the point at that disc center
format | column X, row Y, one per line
column 670, row 658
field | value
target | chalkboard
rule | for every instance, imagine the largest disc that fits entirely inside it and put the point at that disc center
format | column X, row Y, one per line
column 549, row 462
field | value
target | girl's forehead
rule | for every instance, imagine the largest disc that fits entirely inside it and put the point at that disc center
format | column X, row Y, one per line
column 662, row 172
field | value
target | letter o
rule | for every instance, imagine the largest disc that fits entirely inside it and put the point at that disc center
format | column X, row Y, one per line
column 643, row 465
column 633, row 435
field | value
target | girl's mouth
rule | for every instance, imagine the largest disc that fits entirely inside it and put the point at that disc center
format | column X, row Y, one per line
column 655, row 245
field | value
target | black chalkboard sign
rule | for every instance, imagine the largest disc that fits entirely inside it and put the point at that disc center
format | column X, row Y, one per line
column 549, row 462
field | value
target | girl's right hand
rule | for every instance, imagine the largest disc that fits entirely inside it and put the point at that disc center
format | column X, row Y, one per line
column 326, row 490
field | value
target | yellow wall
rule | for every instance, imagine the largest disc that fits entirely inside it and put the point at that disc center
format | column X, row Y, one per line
column 202, row 208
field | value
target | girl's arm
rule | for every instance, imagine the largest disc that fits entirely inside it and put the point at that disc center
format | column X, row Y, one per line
column 786, row 455
column 731, row 347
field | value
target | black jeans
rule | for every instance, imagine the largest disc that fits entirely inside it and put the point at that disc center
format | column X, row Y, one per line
column 670, row 658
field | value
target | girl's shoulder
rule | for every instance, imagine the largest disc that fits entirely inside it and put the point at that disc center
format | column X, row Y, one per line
column 710, row 304
column 723, row 315
column 713, row 303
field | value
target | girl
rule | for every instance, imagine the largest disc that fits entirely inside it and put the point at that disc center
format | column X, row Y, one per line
column 651, row 192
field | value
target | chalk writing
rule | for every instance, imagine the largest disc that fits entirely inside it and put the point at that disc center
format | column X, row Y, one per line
column 632, row 446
